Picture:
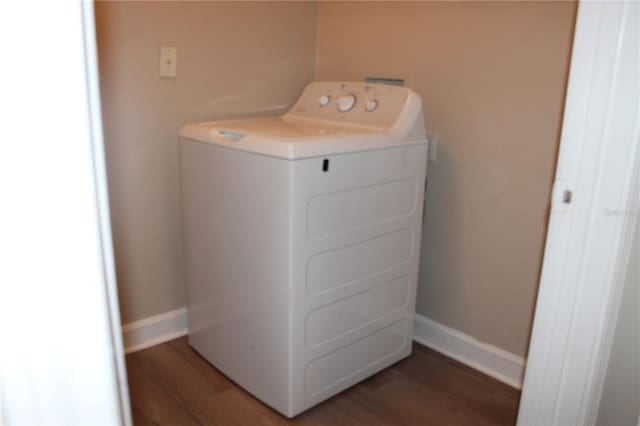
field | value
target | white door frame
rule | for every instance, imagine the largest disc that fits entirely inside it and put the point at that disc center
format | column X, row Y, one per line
column 61, row 356
column 595, row 201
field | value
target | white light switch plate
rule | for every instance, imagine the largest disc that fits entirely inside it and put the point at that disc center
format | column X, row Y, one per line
column 168, row 61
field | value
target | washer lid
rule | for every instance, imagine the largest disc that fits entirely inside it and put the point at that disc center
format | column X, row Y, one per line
column 290, row 138
column 322, row 123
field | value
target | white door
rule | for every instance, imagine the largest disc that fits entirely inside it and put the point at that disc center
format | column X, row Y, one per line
column 591, row 229
column 61, row 358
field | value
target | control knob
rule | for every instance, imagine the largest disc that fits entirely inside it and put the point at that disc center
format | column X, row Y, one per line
column 346, row 103
column 324, row 100
column 371, row 105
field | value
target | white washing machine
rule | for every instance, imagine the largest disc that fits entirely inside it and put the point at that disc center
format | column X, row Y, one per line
column 302, row 240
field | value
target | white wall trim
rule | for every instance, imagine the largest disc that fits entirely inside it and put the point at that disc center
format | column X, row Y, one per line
column 154, row 330
column 488, row 359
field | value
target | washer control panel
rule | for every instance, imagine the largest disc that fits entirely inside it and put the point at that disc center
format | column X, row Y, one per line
column 359, row 103
column 347, row 102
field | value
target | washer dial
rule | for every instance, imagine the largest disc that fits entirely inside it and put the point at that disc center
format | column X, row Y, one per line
column 371, row 105
column 346, row 103
column 324, row 100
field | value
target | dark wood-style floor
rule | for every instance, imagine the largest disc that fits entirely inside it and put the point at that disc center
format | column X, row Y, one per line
column 170, row 384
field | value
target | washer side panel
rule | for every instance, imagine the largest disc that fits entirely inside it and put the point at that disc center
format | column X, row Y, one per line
column 236, row 235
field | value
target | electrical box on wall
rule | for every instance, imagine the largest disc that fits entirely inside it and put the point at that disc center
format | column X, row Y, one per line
column 168, row 61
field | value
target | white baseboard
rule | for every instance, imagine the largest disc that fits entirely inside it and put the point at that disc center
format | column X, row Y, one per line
column 488, row 359
column 154, row 330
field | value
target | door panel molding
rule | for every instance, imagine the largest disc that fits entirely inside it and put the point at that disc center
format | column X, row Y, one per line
column 591, row 219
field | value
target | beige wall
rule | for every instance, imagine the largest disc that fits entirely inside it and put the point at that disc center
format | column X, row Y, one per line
column 234, row 59
column 492, row 76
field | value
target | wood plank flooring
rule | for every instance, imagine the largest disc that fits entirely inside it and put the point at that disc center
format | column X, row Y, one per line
column 170, row 384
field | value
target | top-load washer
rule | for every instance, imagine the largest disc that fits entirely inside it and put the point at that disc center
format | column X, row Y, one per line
column 302, row 240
